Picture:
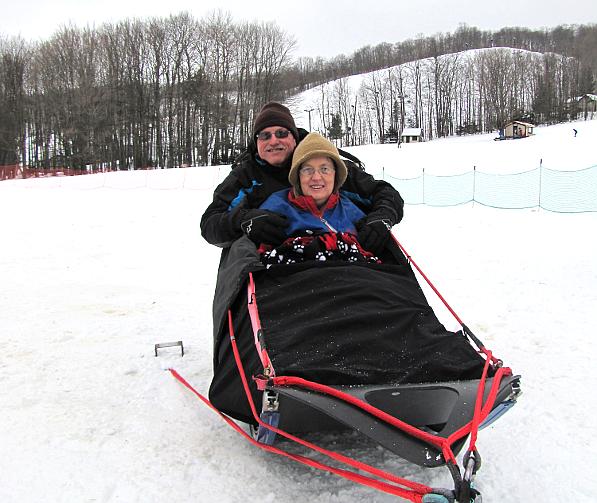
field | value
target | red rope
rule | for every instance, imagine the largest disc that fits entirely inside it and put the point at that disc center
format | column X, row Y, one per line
column 416, row 491
column 480, row 411
column 374, row 411
column 411, row 260
column 444, row 301
column 411, row 490
column 256, row 325
column 355, row 477
column 442, row 443
column 486, row 409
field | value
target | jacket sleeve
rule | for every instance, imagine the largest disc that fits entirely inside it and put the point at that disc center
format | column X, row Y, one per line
column 217, row 222
column 373, row 195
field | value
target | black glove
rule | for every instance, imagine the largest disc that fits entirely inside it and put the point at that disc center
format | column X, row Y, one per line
column 373, row 232
column 263, row 226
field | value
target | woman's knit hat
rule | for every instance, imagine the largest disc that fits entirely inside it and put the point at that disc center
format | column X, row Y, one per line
column 274, row 114
column 315, row 145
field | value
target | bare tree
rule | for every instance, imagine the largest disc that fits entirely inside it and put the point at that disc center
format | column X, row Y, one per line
column 176, row 91
column 13, row 57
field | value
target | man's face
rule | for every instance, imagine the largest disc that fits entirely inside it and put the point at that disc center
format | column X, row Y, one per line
column 274, row 150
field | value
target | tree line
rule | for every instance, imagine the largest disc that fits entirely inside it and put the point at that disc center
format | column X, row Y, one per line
column 162, row 92
column 579, row 42
column 457, row 93
column 178, row 91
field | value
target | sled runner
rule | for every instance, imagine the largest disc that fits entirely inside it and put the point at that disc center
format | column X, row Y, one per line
column 315, row 346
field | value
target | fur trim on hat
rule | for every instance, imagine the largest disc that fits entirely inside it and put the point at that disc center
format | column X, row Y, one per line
column 275, row 114
column 315, row 145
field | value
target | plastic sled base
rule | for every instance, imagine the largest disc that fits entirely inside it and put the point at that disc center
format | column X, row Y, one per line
column 437, row 408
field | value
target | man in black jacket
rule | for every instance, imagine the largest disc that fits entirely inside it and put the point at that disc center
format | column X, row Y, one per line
column 263, row 169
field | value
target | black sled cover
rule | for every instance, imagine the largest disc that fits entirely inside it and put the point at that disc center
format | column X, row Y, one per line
column 334, row 323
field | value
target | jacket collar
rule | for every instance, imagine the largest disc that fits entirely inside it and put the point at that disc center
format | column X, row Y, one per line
column 265, row 164
column 307, row 203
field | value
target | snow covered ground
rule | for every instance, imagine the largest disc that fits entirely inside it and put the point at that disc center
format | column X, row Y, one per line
column 95, row 270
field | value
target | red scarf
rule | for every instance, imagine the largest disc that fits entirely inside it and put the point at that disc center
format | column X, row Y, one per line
column 307, row 203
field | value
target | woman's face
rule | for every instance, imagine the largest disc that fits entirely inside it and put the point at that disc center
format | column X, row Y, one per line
column 317, row 177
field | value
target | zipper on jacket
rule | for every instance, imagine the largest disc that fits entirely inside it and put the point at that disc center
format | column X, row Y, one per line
column 326, row 223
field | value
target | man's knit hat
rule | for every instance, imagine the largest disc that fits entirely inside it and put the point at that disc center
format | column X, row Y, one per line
column 275, row 114
column 315, row 145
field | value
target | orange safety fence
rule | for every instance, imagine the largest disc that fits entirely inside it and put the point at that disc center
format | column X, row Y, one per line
column 8, row 172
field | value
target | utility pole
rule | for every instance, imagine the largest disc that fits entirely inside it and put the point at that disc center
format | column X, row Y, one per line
column 309, row 112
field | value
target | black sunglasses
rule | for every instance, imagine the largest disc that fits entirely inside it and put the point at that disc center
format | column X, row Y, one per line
column 266, row 135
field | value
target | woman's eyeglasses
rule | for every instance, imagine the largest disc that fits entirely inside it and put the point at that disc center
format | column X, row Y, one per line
column 266, row 135
column 324, row 170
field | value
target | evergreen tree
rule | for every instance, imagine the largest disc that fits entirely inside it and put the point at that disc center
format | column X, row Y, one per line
column 335, row 128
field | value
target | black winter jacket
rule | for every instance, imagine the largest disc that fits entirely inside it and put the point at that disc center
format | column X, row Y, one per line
column 251, row 181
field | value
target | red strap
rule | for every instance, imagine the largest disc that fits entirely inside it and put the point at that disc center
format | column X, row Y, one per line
column 256, row 325
column 345, row 397
column 480, row 413
column 410, row 259
column 486, row 409
column 477, row 418
column 355, row 477
column 411, row 491
column 416, row 491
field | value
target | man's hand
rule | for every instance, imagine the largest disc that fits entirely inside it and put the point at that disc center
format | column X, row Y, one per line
column 263, row 226
column 373, row 232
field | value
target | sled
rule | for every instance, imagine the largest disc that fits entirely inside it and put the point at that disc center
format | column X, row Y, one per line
column 315, row 347
column 439, row 408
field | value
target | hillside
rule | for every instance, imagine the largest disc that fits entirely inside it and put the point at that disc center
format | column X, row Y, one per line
column 101, row 267
column 479, row 89
column 553, row 146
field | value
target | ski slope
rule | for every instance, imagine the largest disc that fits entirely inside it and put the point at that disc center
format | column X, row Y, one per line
column 95, row 270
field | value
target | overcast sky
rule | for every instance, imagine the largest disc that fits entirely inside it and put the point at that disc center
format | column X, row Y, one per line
column 325, row 28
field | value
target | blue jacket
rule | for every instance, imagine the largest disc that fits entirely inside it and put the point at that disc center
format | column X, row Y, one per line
column 339, row 215
column 251, row 181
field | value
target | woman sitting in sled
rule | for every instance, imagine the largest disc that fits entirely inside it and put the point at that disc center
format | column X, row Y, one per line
column 322, row 221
